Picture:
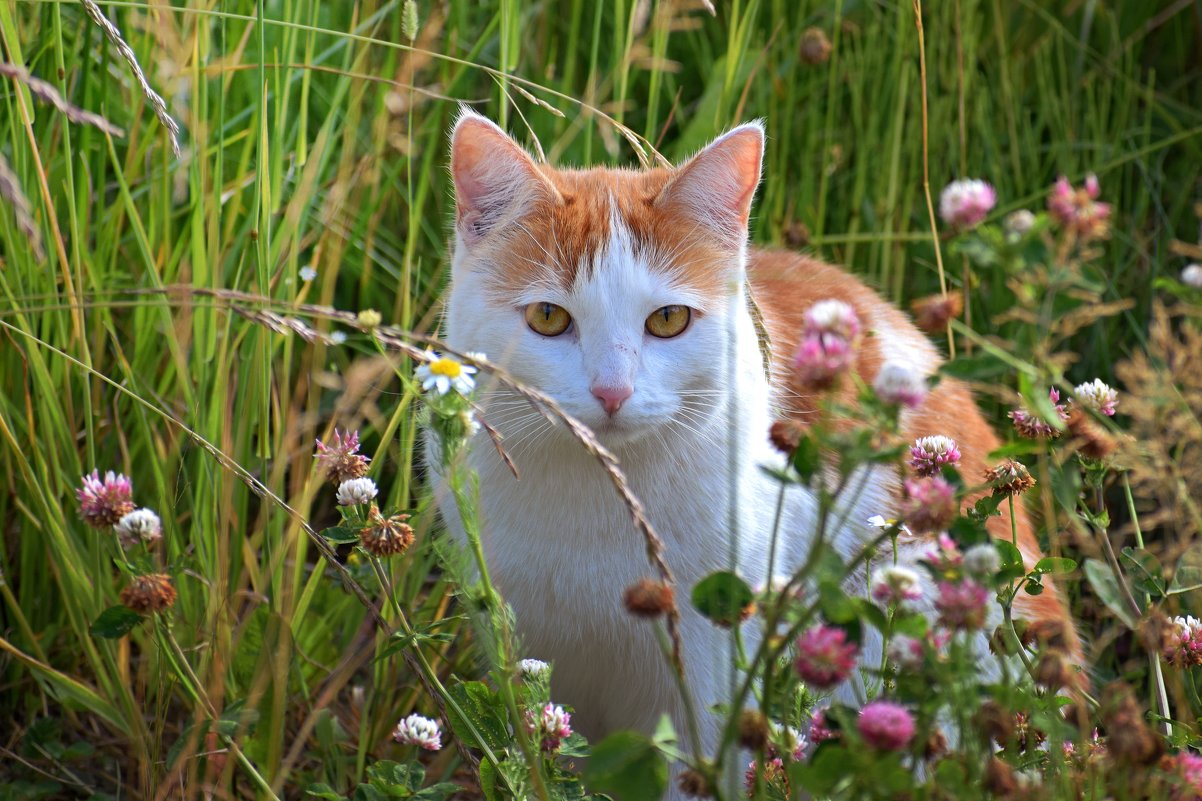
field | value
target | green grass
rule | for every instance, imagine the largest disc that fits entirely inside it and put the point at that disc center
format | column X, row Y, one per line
column 315, row 135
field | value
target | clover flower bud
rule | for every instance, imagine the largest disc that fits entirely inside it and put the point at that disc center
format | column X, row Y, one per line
column 140, row 525
column 356, row 491
column 342, row 460
column 898, row 385
column 102, row 503
column 149, row 593
column 1098, row 395
column 928, row 455
column 886, row 726
column 825, row 657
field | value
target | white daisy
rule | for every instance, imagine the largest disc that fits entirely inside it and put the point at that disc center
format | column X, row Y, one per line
column 443, row 374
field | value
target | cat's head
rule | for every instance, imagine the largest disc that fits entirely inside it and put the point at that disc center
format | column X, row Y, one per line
column 608, row 289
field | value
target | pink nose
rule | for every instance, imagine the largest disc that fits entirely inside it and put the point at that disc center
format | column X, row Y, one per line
column 612, row 397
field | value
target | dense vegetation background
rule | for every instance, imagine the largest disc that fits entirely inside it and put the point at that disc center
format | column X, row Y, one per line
column 314, row 136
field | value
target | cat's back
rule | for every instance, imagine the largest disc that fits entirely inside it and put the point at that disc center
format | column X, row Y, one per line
column 785, row 284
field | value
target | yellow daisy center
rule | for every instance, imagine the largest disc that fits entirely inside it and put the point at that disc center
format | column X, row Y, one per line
column 448, row 367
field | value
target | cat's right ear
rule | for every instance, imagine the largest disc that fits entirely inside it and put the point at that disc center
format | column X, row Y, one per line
column 496, row 181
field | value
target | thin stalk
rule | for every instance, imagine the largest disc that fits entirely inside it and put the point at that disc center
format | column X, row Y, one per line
column 193, row 686
column 428, row 673
column 926, row 168
column 1162, row 696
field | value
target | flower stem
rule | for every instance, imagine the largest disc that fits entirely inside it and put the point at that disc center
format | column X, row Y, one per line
column 1162, row 696
column 194, row 688
column 427, row 671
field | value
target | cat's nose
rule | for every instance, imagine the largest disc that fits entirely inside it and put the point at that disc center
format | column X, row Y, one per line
column 612, row 397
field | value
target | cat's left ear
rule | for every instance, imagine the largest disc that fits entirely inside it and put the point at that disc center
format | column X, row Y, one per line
column 716, row 187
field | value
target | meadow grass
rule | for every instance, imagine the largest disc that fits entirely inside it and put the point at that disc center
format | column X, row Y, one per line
column 314, row 135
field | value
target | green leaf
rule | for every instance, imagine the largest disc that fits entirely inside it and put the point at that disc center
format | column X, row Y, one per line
column 1055, row 565
column 1185, row 578
column 1107, row 589
column 913, row 625
column 574, row 746
column 1144, row 571
column 825, row 769
column 1011, row 555
column 721, row 597
column 807, row 459
column 387, row 775
column 341, row 535
column 115, row 622
column 322, row 790
column 1188, row 573
column 484, row 708
column 628, row 766
column 437, row 792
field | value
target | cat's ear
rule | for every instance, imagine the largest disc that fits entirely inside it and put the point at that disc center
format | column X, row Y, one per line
column 496, row 181
column 716, row 187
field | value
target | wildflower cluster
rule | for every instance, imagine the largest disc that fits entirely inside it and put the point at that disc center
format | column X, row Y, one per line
column 107, row 504
column 828, row 343
column 1078, row 209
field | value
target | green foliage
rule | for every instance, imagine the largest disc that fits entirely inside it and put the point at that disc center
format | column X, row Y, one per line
column 115, row 622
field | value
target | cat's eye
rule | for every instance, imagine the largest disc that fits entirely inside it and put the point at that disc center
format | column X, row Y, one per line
column 547, row 318
column 669, row 321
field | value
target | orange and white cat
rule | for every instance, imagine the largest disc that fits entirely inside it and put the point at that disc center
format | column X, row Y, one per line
column 624, row 295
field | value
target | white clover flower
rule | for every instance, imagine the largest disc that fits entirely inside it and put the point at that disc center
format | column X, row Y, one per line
column 965, row 203
column 443, row 374
column 896, row 584
column 417, row 730
column 1097, row 394
column 532, row 669
column 899, row 385
column 1019, row 222
column 356, row 491
column 307, row 273
column 832, row 317
column 553, row 724
column 1192, row 276
column 982, row 560
column 928, row 455
column 140, row 525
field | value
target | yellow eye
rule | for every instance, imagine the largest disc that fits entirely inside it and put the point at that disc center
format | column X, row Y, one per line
column 547, row 319
column 669, row 321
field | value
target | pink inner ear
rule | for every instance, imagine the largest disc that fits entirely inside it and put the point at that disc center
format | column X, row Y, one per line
column 494, row 178
column 717, row 186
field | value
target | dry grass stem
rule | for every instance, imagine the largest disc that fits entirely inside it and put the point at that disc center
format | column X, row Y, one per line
column 156, row 101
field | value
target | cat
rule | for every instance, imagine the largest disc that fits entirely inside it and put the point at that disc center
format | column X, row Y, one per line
column 624, row 295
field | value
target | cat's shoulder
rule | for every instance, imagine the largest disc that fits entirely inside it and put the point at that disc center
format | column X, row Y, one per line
column 784, row 284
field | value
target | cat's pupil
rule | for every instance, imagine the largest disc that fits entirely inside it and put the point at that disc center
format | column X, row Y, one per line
column 547, row 312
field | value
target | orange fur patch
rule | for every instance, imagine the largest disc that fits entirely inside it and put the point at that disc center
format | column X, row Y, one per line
column 559, row 238
column 784, row 285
